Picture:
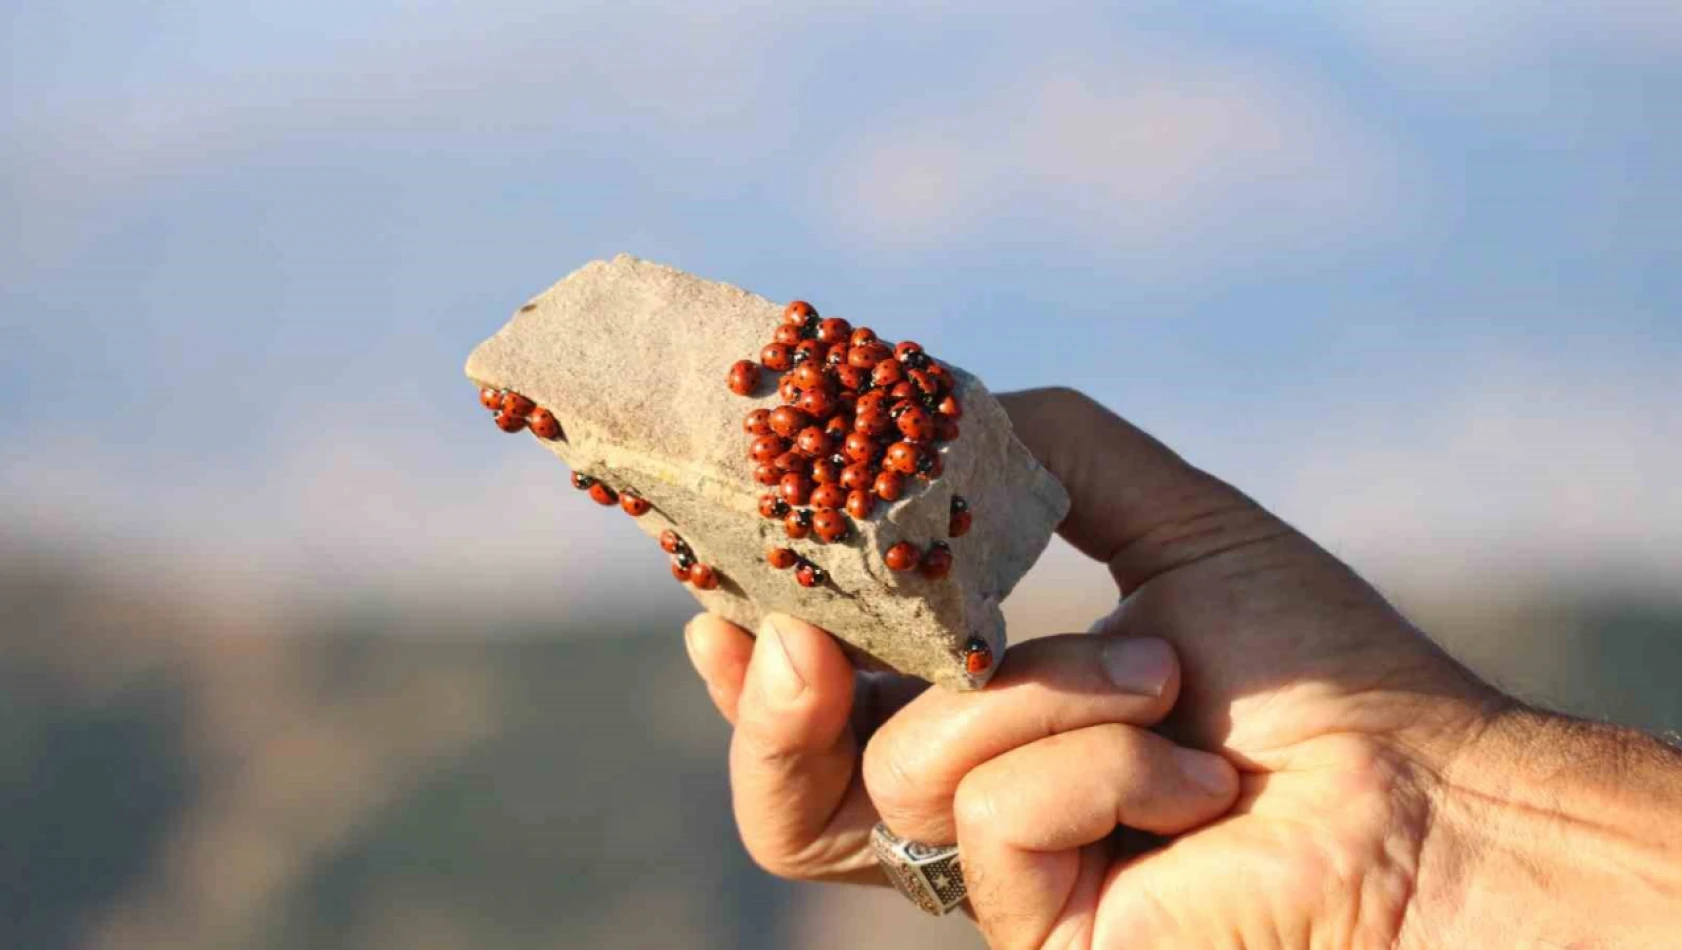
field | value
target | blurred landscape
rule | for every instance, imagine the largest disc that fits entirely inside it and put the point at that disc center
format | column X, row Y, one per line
column 297, row 652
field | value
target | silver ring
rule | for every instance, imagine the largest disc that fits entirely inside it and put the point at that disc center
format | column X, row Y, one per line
column 929, row 875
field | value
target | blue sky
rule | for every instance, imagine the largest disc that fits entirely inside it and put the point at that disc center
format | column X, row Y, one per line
column 1407, row 271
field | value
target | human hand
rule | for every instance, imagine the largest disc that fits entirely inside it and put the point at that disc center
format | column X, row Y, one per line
column 1377, row 778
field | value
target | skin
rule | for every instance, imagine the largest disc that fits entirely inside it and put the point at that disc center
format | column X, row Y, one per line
column 1253, row 750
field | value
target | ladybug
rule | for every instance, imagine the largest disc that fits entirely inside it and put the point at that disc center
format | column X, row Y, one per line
column 872, row 421
column 787, row 421
column 874, row 401
column 836, row 356
column 915, row 423
column 861, row 336
column 787, row 391
column 635, row 505
column 930, row 466
column 941, row 375
column 817, row 403
column 925, row 385
column 680, row 571
column 790, row 461
column 831, row 526
column 887, row 373
column 945, row 428
column 603, row 495
column 766, row 447
column 781, row 558
column 958, row 525
column 777, row 357
column 765, row 473
column 860, row 503
column 857, row 476
column 911, row 354
column 757, row 422
column 978, row 656
column 950, row 408
column 902, row 457
column 902, row 556
column 509, row 422
column 788, row 336
column 770, row 506
column 744, row 377
column 808, row 350
column 581, row 481
column 834, row 330
column 826, row 471
column 517, row 404
column 858, row 447
column 810, row 575
column 543, row 424
column 795, row 488
column 684, row 558
column 889, row 486
column 838, row 425
column 851, row 377
column 799, row 313
column 867, row 356
column 703, row 576
column 491, row 399
column 808, row 375
column 798, row 523
column 830, row 496
column 671, row 542
column 937, row 561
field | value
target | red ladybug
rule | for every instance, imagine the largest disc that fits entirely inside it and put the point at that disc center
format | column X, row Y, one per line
column 831, row 496
column 603, row 495
column 671, row 542
column 744, row 377
column 635, row 505
column 978, row 656
column 875, row 400
column 924, row 383
column 872, row 421
column 826, row 471
column 757, row 422
column 491, row 399
column 517, row 404
column 860, row 503
column 903, row 391
column 945, row 428
column 959, row 523
column 770, row 506
column 950, row 408
column 915, row 423
column 795, row 488
column 790, row 461
column 703, row 576
column 798, row 523
column 776, row 357
column 836, row 356
column 817, row 403
column 581, row 481
column 799, row 313
column 867, row 356
column 788, row 336
column 809, row 375
column 831, row 526
column 787, row 391
column 930, row 466
column 509, row 422
column 858, row 476
column 787, row 421
column 902, row 457
column 781, row 558
column 834, row 330
column 838, row 425
column 809, row 351
column 937, row 561
column 810, row 575
column 889, row 486
column 765, row 473
column 941, row 375
column 766, row 448
column 851, row 377
column 680, row 571
column 902, row 556
column 543, row 424
column 905, row 348
column 887, row 373
column 858, row 447
column 861, row 336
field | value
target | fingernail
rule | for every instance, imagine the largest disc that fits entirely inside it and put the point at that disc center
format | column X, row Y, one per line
column 782, row 681
column 1207, row 771
column 1139, row 666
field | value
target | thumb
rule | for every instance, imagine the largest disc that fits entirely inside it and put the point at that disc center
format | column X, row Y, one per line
column 1133, row 503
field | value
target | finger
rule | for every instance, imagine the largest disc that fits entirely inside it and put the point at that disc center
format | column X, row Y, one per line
column 1044, row 687
column 793, row 758
column 720, row 651
column 1028, row 821
column 1133, row 503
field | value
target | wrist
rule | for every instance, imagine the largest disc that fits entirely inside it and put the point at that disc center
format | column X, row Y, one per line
column 1548, row 830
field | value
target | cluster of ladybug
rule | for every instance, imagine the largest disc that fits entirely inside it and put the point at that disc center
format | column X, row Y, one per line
column 515, row 412
column 684, row 565
column 806, row 574
column 858, row 418
column 635, row 505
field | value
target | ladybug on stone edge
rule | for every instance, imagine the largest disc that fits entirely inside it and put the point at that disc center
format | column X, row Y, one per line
column 978, row 656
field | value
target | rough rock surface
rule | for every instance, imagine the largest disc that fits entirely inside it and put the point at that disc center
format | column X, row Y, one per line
column 632, row 358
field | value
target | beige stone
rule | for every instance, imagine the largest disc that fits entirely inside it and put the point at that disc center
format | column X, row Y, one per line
column 631, row 356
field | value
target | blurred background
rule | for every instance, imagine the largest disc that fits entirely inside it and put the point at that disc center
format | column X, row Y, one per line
column 296, row 651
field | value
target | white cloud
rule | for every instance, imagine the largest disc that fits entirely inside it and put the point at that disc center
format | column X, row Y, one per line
column 1181, row 155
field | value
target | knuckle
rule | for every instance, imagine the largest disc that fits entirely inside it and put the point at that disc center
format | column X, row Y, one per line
column 890, row 775
column 975, row 806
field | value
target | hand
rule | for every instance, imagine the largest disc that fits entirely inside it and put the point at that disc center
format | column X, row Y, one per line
column 1385, row 797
